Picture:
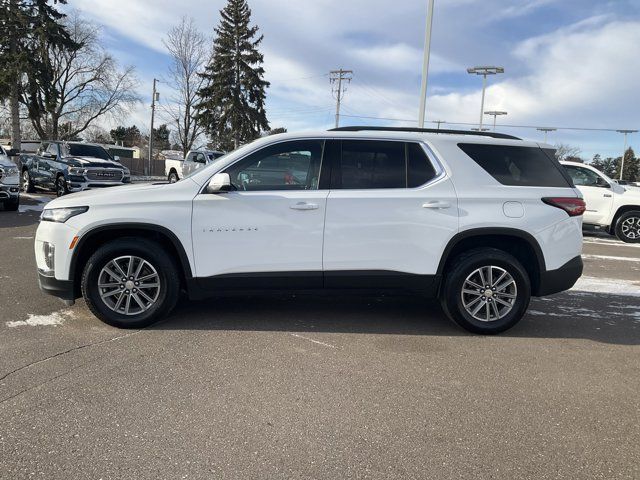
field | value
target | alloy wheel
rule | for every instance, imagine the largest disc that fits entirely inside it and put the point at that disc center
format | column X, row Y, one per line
column 129, row 285
column 489, row 293
column 631, row 228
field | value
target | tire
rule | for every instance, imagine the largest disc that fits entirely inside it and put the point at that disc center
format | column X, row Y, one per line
column 628, row 227
column 157, row 261
column 27, row 184
column 464, row 270
column 61, row 186
column 173, row 177
column 12, row 205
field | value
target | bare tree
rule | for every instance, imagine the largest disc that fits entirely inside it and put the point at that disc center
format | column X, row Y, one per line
column 88, row 85
column 188, row 49
column 565, row 152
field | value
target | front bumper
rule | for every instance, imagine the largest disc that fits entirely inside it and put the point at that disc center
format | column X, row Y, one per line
column 9, row 192
column 58, row 288
column 561, row 279
column 80, row 186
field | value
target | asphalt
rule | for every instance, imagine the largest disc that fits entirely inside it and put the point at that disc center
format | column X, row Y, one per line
column 320, row 386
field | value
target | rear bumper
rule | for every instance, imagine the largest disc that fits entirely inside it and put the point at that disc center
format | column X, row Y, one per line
column 58, row 288
column 561, row 279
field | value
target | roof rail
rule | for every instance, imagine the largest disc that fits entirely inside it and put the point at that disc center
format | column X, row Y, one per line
column 425, row 130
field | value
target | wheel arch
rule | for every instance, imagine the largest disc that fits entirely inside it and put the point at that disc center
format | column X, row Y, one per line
column 98, row 236
column 621, row 211
column 518, row 243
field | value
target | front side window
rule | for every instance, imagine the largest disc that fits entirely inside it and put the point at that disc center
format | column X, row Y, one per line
column 53, row 149
column 585, row 177
column 376, row 164
column 284, row 166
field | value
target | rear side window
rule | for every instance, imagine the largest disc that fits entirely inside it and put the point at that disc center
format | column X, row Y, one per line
column 517, row 166
column 374, row 164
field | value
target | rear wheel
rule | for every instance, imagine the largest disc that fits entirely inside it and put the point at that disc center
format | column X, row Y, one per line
column 173, row 177
column 130, row 283
column 486, row 291
column 628, row 227
column 61, row 186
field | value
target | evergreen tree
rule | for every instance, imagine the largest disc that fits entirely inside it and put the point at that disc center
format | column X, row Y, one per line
column 631, row 167
column 231, row 106
column 126, row 136
column 28, row 26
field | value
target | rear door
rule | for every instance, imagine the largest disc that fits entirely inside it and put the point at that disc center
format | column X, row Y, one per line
column 269, row 232
column 390, row 213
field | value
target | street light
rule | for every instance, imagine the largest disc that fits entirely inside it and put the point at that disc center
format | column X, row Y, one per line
column 546, row 130
column 439, row 122
column 625, row 132
column 425, row 65
column 484, row 71
column 495, row 113
column 155, row 96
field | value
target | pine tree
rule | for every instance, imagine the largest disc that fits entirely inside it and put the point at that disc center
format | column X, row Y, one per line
column 631, row 167
column 28, row 26
column 232, row 103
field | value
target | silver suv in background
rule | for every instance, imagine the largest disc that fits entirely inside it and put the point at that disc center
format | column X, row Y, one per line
column 9, row 182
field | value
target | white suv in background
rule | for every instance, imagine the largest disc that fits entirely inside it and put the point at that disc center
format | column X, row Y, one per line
column 610, row 206
column 481, row 221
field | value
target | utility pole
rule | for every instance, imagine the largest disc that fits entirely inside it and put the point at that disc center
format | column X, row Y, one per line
column 625, row 132
column 438, row 122
column 484, row 71
column 546, row 130
column 336, row 78
column 495, row 114
column 155, row 96
column 425, row 66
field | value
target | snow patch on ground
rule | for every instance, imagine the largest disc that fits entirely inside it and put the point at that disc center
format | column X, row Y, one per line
column 609, row 257
column 611, row 286
column 38, row 207
column 52, row 320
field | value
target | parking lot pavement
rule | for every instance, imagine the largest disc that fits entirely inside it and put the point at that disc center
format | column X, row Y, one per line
column 320, row 387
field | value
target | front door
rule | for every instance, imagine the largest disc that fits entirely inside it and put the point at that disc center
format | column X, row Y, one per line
column 270, row 229
column 596, row 191
column 390, row 214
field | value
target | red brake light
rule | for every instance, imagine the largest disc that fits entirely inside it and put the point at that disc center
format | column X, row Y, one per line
column 573, row 206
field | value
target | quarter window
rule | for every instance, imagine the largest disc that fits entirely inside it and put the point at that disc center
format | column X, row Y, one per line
column 283, row 166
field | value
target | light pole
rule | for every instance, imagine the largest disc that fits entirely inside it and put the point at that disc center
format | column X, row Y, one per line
column 546, row 130
column 439, row 122
column 625, row 132
column 154, row 97
column 425, row 65
column 484, row 71
column 495, row 113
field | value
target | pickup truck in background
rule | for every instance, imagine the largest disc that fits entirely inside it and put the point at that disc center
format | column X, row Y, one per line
column 67, row 167
column 175, row 169
column 9, row 181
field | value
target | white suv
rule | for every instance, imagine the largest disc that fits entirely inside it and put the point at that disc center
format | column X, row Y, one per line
column 482, row 221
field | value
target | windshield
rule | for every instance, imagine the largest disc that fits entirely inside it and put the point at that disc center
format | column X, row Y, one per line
column 79, row 150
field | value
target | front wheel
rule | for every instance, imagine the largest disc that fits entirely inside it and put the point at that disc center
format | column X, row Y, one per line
column 130, row 283
column 628, row 227
column 486, row 291
column 27, row 184
column 61, row 186
column 173, row 177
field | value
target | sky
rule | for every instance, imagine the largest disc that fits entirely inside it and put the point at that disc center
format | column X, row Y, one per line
column 568, row 63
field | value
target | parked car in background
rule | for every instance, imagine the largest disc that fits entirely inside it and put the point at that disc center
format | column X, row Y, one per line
column 482, row 221
column 67, row 167
column 9, row 181
column 175, row 169
column 610, row 206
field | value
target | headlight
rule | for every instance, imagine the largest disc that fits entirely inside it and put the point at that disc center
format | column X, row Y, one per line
column 11, row 172
column 126, row 172
column 77, row 171
column 61, row 215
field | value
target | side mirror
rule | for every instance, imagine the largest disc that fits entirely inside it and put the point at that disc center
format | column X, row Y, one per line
column 601, row 182
column 220, row 182
column 116, row 158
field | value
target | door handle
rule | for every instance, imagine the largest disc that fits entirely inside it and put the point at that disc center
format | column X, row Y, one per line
column 437, row 204
column 304, row 206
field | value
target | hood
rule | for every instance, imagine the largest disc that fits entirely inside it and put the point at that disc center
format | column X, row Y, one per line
column 6, row 162
column 631, row 194
column 92, row 162
column 126, row 194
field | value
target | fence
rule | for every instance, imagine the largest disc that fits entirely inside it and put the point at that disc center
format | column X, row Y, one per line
column 140, row 166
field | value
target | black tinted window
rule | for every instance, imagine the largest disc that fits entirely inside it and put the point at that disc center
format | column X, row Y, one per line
column 419, row 168
column 94, row 151
column 372, row 164
column 517, row 166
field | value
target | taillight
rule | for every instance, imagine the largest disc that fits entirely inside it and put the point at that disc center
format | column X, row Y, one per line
column 573, row 206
